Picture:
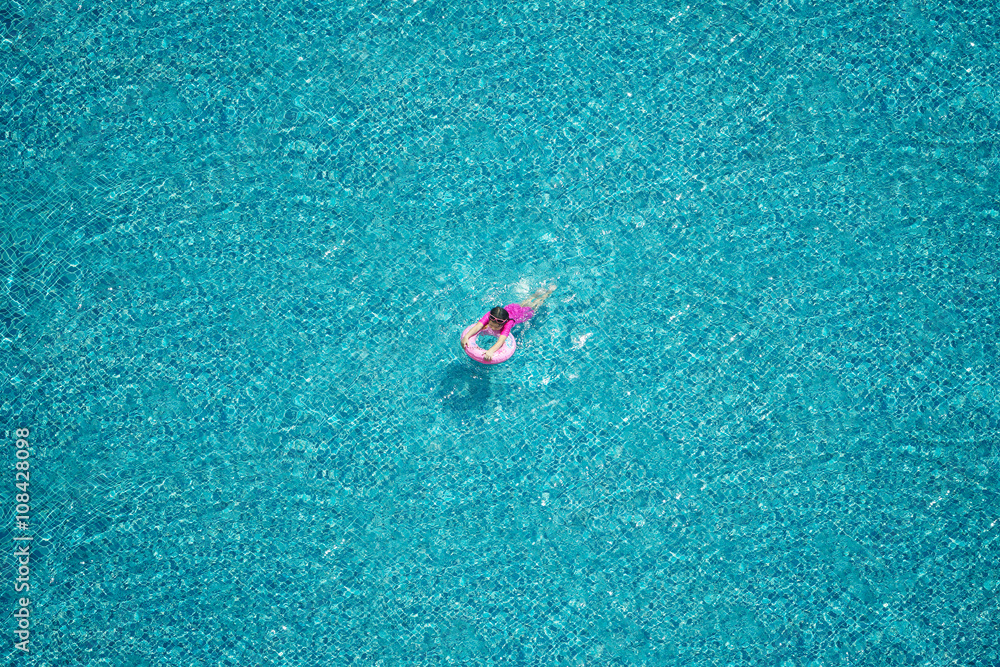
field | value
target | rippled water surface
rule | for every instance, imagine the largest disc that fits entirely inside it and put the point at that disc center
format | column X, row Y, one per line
column 756, row 424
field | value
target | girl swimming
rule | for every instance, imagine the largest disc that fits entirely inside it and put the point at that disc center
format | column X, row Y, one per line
column 498, row 321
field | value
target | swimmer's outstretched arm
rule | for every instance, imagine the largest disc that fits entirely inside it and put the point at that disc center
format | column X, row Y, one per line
column 476, row 328
column 488, row 354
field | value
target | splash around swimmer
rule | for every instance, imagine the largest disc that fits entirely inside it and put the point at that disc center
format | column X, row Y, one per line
column 498, row 322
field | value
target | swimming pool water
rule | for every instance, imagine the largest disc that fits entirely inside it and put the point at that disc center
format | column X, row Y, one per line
column 757, row 423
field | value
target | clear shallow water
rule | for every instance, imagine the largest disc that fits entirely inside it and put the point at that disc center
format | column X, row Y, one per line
column 756, row 424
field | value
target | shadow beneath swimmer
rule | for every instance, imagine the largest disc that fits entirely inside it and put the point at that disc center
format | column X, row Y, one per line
column 465, row 385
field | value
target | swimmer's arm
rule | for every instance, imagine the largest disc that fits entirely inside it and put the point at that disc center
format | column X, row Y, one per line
column 496, row 346
column 476, row 328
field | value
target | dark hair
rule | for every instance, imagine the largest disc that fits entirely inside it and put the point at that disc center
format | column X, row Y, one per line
column 499, row 313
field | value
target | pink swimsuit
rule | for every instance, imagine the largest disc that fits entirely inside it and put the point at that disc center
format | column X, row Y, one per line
column 518, row 314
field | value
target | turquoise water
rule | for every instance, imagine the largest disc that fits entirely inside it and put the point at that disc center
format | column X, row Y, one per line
column 756, row 424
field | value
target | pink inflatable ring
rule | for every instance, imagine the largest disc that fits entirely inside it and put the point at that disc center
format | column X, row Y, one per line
column 476, row 352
